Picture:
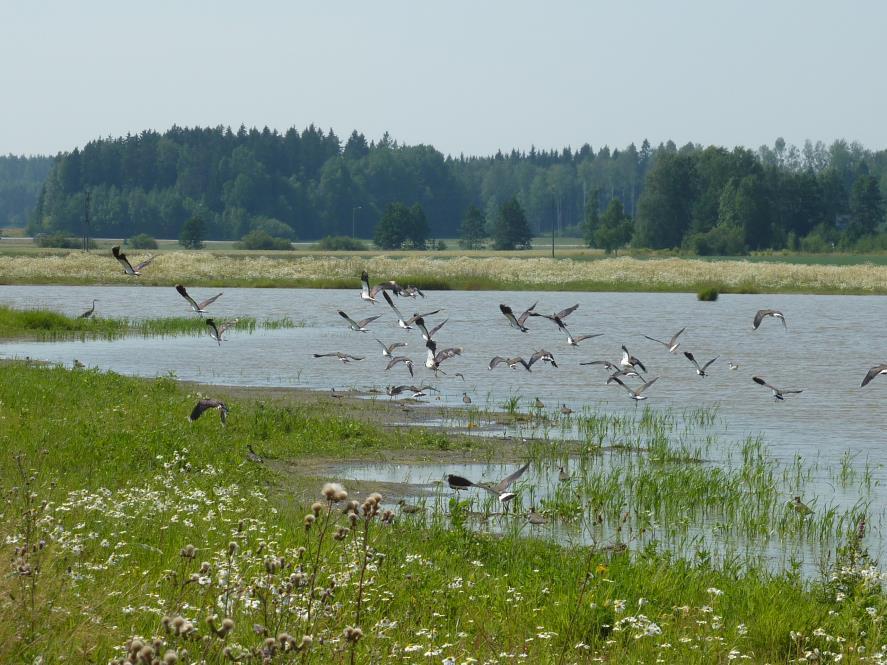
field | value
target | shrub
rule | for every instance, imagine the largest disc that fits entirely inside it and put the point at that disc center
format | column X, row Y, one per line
column 142, row 241
column 708, row 294
column 722, row 240
column 261, row 240
column 340, row 244
column 273, row 227
column 62, row 241
column 440, row 246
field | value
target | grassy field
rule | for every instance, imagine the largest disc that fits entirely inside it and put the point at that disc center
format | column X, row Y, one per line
column 451, row 270
column 132, row 535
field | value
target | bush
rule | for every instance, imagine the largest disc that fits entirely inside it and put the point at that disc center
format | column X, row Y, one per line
column 142, row 241
column 722, row 240
column 193, row 233
column 440, row 246
column 708, row 294
column 273, row 227
column 261, row 240
column 340, row 244
column 60, row 240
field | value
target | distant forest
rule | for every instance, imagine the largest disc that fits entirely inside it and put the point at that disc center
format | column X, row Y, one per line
column 308, row 184
column 21, row 179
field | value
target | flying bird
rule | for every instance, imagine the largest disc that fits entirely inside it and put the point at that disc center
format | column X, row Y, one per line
column 610, row 367
column 500, row 489
column 574, row 340
column 344, row 357
column 127, row 266
column 400, row 359
column 412, row 291
column 406, row 324
column 426, row 335
column 511, row 362
column 762, row 313
column 635, row 393
column 559, row 316
column 435, row 357
column 388, row 350
column 88, row 313
column 206, row 404
column 873, row 372
column 699, row 370
column 777, row 393
column 517, row 322
column 366, row 293
column 629, row 360
column 199, row 307
column 216, row 332
column 672, row 344
column 358, row 326
column 542, row 355
column 418, row 391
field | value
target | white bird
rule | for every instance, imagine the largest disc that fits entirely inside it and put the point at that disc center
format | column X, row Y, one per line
column 199, row 307
column 732, row 365
column 88, row 313
column 344, row 357
column 699, row 370
column 574, row 341
column 426, row 334
column 517, row 322
column 358, row 326
column 777, row 393
column 672, row 344
column 366, row 293
column 635, row 393
column 388, row 350
column 435, row 357
column 406, row 324
column 629, row 360
column 873, row 372
column 205, row 405
column 400, row 359
column 776, row 314
column 216, row 332
column 127, row 266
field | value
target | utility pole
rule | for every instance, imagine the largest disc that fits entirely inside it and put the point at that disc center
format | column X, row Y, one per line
column 86, row 223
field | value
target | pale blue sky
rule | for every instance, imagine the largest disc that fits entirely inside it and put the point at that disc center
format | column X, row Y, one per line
column 463, row 76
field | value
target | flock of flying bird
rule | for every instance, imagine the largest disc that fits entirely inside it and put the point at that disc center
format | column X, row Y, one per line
column 627, row 368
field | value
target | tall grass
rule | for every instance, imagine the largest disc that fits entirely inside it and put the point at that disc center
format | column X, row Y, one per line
column 130, row 533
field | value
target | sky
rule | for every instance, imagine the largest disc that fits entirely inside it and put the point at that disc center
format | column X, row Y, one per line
column 467, row 77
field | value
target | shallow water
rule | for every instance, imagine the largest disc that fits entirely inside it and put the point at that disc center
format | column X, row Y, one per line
column 830, row 343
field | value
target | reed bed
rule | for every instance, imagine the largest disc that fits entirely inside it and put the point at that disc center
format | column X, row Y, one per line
column 457, row 272
column 132, row 536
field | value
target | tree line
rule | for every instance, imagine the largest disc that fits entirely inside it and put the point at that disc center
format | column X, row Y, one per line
column 21, row 179
column 308, row 184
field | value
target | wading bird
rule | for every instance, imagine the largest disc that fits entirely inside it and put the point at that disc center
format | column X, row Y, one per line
column 634, row 393
column 873, row 372
column 672, row 344
column 777, row 393
column 88, row 313
column 388, row 350
column 409, row 509
column 199, row 307
column 517, row 322
column 699, row 370
column 400, row 359
column 536, row 519
column 566, row 410
column 466, row 399
column 800, row 507
column 216, row 332
column 563, row 475
column 406, row 324
column 358, row 326
column 538, row 404
column 629, row 360
column 500, row 489
column 344, row 357
column 206, row 404
column 762, row 313
column 559, row 317
column 435, row 357
column 127, row 266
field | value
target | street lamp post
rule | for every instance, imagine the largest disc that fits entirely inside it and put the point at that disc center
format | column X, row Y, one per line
column 354, row 220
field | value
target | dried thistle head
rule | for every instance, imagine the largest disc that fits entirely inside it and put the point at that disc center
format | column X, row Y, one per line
column 331, row 490
column 233, row 547
column 170, row 658
column 188, row 552
column 205, row 568
column 375, row 497
column 316, row 507
column 309, row 520
column 352, row 634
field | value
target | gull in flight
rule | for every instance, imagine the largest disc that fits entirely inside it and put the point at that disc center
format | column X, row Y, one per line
column 511, row 362
column 127, row 266
column 517, row 322
column 205, row 405
column 574, row 341
column 542, row 355
column 358, row 326
column 629, row 360
column 406, row 324
column 388, row 350
column 762, row 313
column 699, row 370
column 418, row 391
column 426, row 335
column 412, row 291
column 199, row 307
column 216, row 332
column 635, row 393
column 366, row 293
column 400, row 359
column 88, row 313
column 500, row 489
column 559, row 317
column 344, row 357
column 672, row 344
column 435, row 357
column 873, row 372
column 777, row 393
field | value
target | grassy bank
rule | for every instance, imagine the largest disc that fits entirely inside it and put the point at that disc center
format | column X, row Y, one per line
column 130, row 531
column 46, row 325
column 478, row 272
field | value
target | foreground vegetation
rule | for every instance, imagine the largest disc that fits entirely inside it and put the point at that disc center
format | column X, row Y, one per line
column 453, row 271
column 133, row 536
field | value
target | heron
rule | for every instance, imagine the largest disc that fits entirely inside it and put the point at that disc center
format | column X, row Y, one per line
column 762, row 313
column 672, row 344
column 699, row 370
column 199, row 307
column 127, row 266
column 358, row 326
column 873, row 372
column 344, row 357
column 778, row 394
column 206, row 404
column 88, row 313
column 216, row 332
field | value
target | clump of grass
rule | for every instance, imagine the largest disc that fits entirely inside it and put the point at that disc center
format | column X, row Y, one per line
column 708, row 293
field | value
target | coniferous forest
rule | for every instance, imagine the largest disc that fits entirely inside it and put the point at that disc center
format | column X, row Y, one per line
column 309, row 184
